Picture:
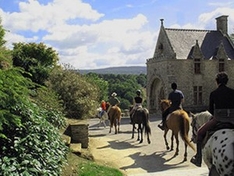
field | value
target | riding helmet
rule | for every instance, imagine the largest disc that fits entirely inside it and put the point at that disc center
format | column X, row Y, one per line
column 138, row 92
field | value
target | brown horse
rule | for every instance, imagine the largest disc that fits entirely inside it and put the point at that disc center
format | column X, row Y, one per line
column 140, row 117
column 114, row 115
column 178, row 121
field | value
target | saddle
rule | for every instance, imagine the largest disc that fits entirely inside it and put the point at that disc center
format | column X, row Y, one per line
column 219, row 126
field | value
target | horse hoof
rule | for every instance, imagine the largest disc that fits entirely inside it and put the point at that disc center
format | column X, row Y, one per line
column 149, row 142
column 168, row 148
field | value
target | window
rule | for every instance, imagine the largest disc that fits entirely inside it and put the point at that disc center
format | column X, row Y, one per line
column 197, row 95
column 197, row 66
column 221, row 65
column 160, row 47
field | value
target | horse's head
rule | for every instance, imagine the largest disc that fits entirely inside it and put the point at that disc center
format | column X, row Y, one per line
column 198, row 120
column 165, row 104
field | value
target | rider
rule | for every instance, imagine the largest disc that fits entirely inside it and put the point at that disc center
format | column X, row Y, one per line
column 113, row 100
column 176, row 98
column 220, row 98
column 103, row 106
column 137, row 102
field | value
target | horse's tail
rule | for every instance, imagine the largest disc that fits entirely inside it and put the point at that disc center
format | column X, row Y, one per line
column 145, row 120
column 184, row 129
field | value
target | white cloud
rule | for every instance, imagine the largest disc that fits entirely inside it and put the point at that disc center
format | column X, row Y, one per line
column 83, row 36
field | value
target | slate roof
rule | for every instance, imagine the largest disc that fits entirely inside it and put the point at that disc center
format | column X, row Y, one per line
column 182, row 41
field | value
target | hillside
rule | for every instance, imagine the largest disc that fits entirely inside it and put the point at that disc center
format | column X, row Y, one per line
column 134, row 70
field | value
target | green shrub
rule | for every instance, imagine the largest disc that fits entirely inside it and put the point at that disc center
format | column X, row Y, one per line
column 30, row 144
column 80, row 98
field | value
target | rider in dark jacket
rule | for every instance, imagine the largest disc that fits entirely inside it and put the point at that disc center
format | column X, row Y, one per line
column 221, row 98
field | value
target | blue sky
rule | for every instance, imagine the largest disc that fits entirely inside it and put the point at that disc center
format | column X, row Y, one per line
column 91, row 34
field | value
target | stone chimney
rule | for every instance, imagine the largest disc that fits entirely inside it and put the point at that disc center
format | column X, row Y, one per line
column 221, row 23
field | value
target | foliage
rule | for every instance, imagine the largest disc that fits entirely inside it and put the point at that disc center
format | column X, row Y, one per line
column 30, row 145
column 2, row 35
column 36, row 59
column 13, row 92
column 49, row 100
column 100, row 83
column 125, row 86
column 78, row 95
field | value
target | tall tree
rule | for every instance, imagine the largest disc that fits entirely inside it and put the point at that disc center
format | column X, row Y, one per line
column 36, row 59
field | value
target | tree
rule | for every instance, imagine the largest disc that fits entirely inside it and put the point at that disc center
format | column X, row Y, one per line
column 79, row 96
column 36, row 59
column 103, row 85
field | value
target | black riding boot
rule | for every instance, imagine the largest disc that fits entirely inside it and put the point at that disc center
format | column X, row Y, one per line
column 162, row 125
column 131, row 120
column 197, row 159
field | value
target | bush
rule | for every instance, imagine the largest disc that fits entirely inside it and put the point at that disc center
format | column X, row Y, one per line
column 30, row 145
column 80, row 98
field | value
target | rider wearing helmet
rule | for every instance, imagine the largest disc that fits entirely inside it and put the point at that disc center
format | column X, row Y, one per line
column 137, row 102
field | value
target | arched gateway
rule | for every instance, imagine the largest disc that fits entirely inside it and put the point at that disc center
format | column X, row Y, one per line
column 156, row 93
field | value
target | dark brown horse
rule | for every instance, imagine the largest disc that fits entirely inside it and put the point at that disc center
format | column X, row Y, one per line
column 114, row 115
column 140, row 117
column 179, row 122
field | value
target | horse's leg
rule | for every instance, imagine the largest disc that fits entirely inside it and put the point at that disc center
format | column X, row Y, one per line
column 185, row 151
column 110, row 125
column 115, row 123
column 142, row 127
column 165, row 138
column 104, row 123
column 177, row 143
column 118, row 124
column 172, row 140
column 213, row 171
column 138, row 132
column 133, row 130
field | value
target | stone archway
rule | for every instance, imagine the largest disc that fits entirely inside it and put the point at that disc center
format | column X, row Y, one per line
column 156, row 93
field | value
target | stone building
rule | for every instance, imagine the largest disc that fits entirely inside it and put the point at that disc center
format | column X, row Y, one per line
column 191, row 58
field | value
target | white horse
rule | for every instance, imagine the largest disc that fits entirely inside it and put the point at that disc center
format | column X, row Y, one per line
column 102, row 118
column 218, row 152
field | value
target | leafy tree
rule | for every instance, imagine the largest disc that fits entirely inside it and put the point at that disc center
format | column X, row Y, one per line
column 36, row 59
column 80, row 98
column 2, row 35
column 103, row 85
column 125, row 86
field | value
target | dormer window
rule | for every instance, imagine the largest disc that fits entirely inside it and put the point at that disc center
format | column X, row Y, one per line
column 197, row 66
column 221, row 65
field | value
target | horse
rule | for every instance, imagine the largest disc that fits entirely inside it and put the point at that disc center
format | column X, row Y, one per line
column 178, row 122
column 141, row 117
column 114, row 115
column 218, row 151
column 102, row 118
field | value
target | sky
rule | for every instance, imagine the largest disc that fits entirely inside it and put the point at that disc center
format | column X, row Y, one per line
column 92, row 34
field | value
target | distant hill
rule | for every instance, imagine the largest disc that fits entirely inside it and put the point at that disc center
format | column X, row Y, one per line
column 131, row 70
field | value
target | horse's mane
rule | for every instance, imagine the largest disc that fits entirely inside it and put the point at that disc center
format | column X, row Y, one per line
column 202, row 117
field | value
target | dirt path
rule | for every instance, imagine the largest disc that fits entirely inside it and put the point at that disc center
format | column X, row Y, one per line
column 120, row 151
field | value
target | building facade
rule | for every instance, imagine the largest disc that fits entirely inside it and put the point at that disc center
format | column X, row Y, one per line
column 191, row 58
